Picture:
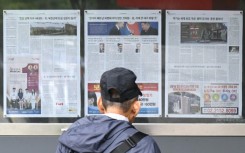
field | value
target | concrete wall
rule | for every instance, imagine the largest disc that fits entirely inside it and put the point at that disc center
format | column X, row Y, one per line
column 47, row 144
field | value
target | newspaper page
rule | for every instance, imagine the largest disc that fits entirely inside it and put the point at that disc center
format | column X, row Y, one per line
column 203, row 64
column 124, row 38
column 42, row 63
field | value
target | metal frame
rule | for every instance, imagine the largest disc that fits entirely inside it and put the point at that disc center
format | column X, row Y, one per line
column 154, row 129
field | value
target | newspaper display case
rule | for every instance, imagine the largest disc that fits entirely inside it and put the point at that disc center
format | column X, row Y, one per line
column 33, row 40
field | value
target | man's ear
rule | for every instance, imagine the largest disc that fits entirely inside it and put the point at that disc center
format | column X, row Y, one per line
column 133, row 112
column 100, row 106
column 136, row 108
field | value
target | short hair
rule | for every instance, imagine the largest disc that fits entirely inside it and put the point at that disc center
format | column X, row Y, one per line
column 124, row 106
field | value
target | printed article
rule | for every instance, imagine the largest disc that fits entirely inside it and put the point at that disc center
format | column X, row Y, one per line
column 42, row 63
column 203, row 64
column 124, row 38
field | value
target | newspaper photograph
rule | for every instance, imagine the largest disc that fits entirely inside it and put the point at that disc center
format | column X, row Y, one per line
column 42, row 63
column 124, row 38
column 203, row 64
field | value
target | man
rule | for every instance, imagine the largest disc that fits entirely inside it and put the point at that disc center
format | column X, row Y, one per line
column 119, row 47
column 102, row 47
column 115, row 30
column 14, row 97
column 155, row 47
column 103, row 133
column 137, row 50
column 27, row 97
column 20, row 99
column 147, row 29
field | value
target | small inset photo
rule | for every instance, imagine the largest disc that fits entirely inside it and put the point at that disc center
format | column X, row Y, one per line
column 233, row 49
column 155, row 47
column 102, row 47
column 119, row 47
column 137, row 49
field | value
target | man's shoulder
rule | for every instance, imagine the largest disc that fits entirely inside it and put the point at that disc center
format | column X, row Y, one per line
column 147, row 145
column 148, row 139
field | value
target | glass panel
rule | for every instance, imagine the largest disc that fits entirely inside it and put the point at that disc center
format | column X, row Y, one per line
column 115, row 5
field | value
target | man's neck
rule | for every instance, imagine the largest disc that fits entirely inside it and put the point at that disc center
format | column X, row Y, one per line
column 117, row 116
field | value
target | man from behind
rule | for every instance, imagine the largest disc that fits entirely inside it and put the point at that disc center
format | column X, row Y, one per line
column 113, row 131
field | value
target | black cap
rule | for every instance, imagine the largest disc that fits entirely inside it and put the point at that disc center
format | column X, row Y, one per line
column 123, row 81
